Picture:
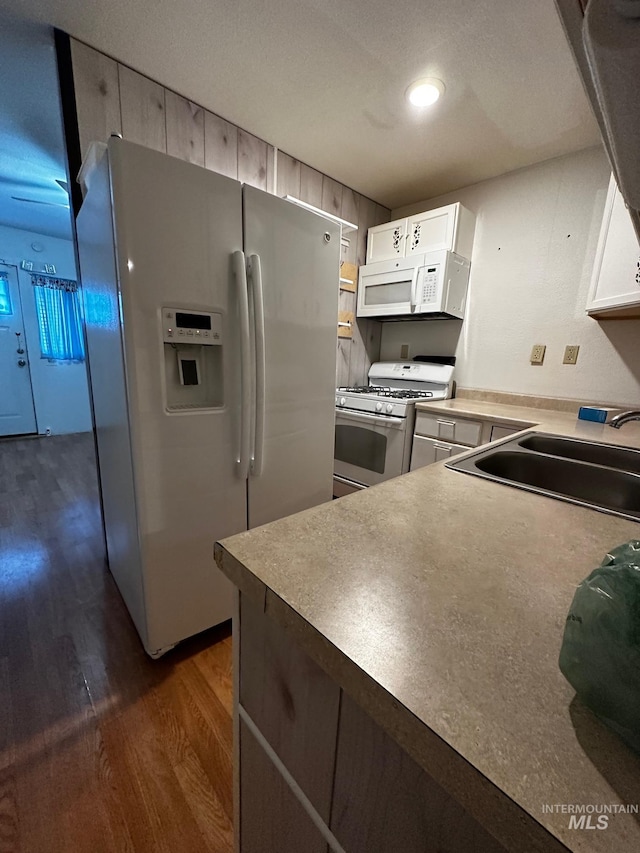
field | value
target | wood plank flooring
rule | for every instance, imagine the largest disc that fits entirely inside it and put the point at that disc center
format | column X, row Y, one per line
column 101, row 748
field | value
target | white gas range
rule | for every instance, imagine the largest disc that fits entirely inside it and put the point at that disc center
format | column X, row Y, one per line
column 374, row 422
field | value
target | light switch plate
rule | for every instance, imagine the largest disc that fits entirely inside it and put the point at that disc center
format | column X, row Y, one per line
column 404, row 350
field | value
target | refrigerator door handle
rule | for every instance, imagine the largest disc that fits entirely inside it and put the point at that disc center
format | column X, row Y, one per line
column 255, row 271
column 240, row 273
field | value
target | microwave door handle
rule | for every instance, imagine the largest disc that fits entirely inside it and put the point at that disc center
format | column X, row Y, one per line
column 418, row 275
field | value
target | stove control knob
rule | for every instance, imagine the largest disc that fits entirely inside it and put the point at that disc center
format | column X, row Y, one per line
column 378, row 407
column 343, row 400
column 389, row 408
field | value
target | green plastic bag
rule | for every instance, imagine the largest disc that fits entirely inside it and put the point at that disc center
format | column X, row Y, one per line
column 600, row 654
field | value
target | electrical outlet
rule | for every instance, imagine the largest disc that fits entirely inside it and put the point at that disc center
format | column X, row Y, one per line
column 571, row 354
column 404, row 350
column 537, row 353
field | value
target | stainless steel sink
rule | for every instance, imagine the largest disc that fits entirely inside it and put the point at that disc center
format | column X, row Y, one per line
column 600, row 476
column 624, row 458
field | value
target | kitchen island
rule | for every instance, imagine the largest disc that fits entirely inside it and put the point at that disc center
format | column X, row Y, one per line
column 398, row 685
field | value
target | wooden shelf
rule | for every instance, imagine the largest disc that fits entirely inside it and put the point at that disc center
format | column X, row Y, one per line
column 346, row 320
column 348, row 276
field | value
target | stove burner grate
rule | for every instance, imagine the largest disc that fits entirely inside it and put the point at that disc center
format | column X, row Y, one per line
column 380, row 391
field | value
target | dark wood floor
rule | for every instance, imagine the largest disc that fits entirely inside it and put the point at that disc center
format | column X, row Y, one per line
column 101, row 748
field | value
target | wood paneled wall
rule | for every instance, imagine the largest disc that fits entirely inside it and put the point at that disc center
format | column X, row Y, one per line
column 112, row 98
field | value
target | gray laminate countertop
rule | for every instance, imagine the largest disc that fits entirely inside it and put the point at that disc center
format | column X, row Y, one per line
column 438, row 600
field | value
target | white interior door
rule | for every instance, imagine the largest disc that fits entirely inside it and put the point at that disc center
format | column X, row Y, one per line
column 17, row 415
column 299, row 260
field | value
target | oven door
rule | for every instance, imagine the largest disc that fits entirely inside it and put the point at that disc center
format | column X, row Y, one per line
column 370, row 448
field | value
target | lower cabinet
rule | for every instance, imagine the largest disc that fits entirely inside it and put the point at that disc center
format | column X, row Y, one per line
column 498, row 432
column 272, row 819
column 458, row 430
column 383, row 801
column 316, row 774
column 292, row 702
column 425, row 451
column 437, row 437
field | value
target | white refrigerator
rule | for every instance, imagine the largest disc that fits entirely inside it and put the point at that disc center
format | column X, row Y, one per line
column 211, row 316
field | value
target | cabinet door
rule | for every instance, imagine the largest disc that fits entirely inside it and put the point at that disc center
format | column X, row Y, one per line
column 461, row 431
column 616, row 273
column 385, row 803
column 432, row 230
column 426, row 451
column 272, row 819
column 386, row 242
column 291, row 700
column 498, row 432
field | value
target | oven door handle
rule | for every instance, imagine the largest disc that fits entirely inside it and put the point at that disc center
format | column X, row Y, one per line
column 382, row 420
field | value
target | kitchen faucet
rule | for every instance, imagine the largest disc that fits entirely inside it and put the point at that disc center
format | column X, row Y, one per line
column 624, row 417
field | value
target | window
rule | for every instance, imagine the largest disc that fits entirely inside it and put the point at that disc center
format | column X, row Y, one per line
column 5, row 296
column 59, row 318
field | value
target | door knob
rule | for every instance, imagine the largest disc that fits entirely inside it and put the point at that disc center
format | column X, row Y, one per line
column 21, row 362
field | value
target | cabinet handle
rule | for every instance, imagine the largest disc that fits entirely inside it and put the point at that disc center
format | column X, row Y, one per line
column 446, row 427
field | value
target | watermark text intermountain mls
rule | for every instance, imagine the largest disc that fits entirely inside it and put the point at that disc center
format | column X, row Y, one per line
column 589, row 815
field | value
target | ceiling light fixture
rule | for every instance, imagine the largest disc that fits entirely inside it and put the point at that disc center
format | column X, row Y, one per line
column 424, row 92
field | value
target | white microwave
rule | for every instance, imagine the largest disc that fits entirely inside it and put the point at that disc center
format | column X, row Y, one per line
column 433, row 284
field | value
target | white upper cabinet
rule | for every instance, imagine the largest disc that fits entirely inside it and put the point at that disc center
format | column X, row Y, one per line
column 615, row 285
column 451, row 228
column 431, row 230
column 387, row 241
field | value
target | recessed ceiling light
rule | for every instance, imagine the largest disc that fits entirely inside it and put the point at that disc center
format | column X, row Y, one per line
column 424, row 92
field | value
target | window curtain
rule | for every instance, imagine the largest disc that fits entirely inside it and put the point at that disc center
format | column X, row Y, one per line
column 59, row 318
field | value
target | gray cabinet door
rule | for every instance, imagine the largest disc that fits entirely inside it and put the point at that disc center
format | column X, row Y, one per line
column 271, row 818
column 426, row 451
column 383, row 801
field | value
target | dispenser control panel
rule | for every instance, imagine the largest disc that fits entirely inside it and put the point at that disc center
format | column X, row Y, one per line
column 191, row 327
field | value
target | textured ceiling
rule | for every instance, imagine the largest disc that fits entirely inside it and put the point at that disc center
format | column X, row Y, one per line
column 324, row 80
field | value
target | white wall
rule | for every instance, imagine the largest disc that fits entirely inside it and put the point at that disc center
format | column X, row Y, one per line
column 535, row 243
column 60, row 390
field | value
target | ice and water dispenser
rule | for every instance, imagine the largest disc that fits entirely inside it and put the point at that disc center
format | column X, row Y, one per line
column 192, row 359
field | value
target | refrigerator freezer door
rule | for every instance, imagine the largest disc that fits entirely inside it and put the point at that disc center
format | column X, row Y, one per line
column 299, row 256
column 177, row 227
column 109, row 392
